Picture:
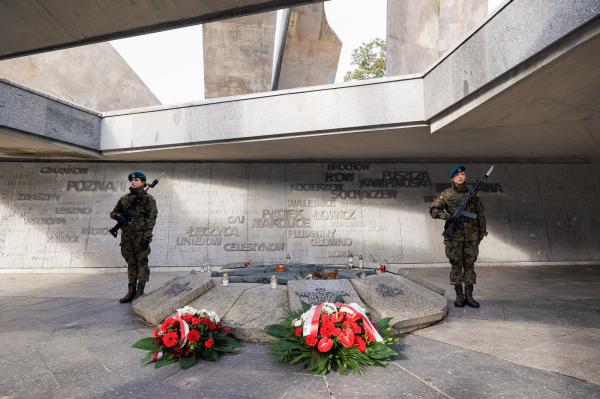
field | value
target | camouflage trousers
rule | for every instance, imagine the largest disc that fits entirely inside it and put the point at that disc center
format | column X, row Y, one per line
column 462, row 256
column 136, row 258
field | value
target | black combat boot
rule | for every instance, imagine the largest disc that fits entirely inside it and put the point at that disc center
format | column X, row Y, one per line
column 460, row 299
column 140, row 289
column 469, row 296
column 130, row 293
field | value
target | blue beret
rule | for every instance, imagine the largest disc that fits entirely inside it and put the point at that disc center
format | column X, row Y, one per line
column 457, row 169
column 136, row 175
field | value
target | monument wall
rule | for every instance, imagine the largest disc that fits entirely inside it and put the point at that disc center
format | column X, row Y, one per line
column 54, row 216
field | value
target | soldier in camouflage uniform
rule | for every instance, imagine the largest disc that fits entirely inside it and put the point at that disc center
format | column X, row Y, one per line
column 136, row 235
column 462, row 249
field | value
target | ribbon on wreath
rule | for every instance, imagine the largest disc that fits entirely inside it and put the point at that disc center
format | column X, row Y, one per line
column 184, row 328
column 313, row 316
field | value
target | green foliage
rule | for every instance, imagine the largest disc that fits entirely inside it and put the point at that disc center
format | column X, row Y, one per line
column 146, row 344
column 369, row 61
column 291, row 349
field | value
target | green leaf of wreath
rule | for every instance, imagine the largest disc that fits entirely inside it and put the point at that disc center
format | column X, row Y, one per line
column 146, row 344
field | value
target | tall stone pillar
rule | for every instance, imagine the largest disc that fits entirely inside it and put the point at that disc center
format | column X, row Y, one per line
column 238, row 55
column 312, row 49
column 419, row 32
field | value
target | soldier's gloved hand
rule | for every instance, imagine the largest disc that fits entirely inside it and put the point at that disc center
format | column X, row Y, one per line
column 145, row 244
column 481, row 236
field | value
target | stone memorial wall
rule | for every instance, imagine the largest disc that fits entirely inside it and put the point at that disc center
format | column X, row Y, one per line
column 54, row 216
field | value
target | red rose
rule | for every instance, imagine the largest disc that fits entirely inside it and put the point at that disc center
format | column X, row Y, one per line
column 325, row 344
column 195, row 320
column 170, row 339
column 298, row 331
column 324, row 318
column 311, row 340
column 209, row 343
column 212, row 326
column 336, row 331
column 347, row 338
column 155, row 333
column 193, row 336
column 359, row 343
column 187, row 318
column 204, row 320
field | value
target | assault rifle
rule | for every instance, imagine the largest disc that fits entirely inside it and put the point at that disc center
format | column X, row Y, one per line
column 460, row 213
column 124, row 218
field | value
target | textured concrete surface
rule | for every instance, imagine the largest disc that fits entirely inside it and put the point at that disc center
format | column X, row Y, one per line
column 154, row 306
column 420, row 32
column 314, row 292
column 542, row 317
column 55, row 215
column 312, row 49
column 238, row 55
column 409, row 304
column 80, row 347
column 94, row 76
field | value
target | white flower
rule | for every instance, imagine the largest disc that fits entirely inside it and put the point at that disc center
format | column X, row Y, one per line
column 187, row 310
column 303, row 317
column 297, row 323
column 329, row 308
column 214, row 316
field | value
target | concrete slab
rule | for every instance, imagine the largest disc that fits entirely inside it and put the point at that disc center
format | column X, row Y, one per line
column 176, row 293
column 314, row 292
column 254, row 309
column 220, row 299
column 410, row 305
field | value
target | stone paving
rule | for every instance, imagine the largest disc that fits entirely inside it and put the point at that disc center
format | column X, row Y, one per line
column 66, row 336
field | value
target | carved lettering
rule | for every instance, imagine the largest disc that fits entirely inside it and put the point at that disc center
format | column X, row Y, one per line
column 360, row 194
column 398, row 179
column 316, row 187
column 311, row 203
column 305, row 233
column 63, row 171
column 256, row 247
column 194, row 241
column 38, row 197
column 93, row 185
column 331, row 242
column 348, row 166
column 484, row 187
column 212, row 231
column 45, row 221
column 63, row 238
column 339, row 177
column 73, row 211
column 329, row 214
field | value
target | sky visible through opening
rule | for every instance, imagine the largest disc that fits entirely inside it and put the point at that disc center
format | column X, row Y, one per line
column 170, row 63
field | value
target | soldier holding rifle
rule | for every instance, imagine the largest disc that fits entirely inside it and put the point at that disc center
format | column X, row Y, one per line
column 463, row 211
column 136, row 215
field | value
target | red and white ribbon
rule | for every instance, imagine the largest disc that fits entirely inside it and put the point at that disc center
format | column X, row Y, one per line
column 184, row 328
column 367, row 325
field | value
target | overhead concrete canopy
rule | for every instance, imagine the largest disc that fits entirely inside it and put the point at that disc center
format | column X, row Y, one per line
column 495, row 96
column 31, row 26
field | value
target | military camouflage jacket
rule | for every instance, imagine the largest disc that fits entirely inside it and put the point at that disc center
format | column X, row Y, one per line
column 445, row 205
column 141, row 218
